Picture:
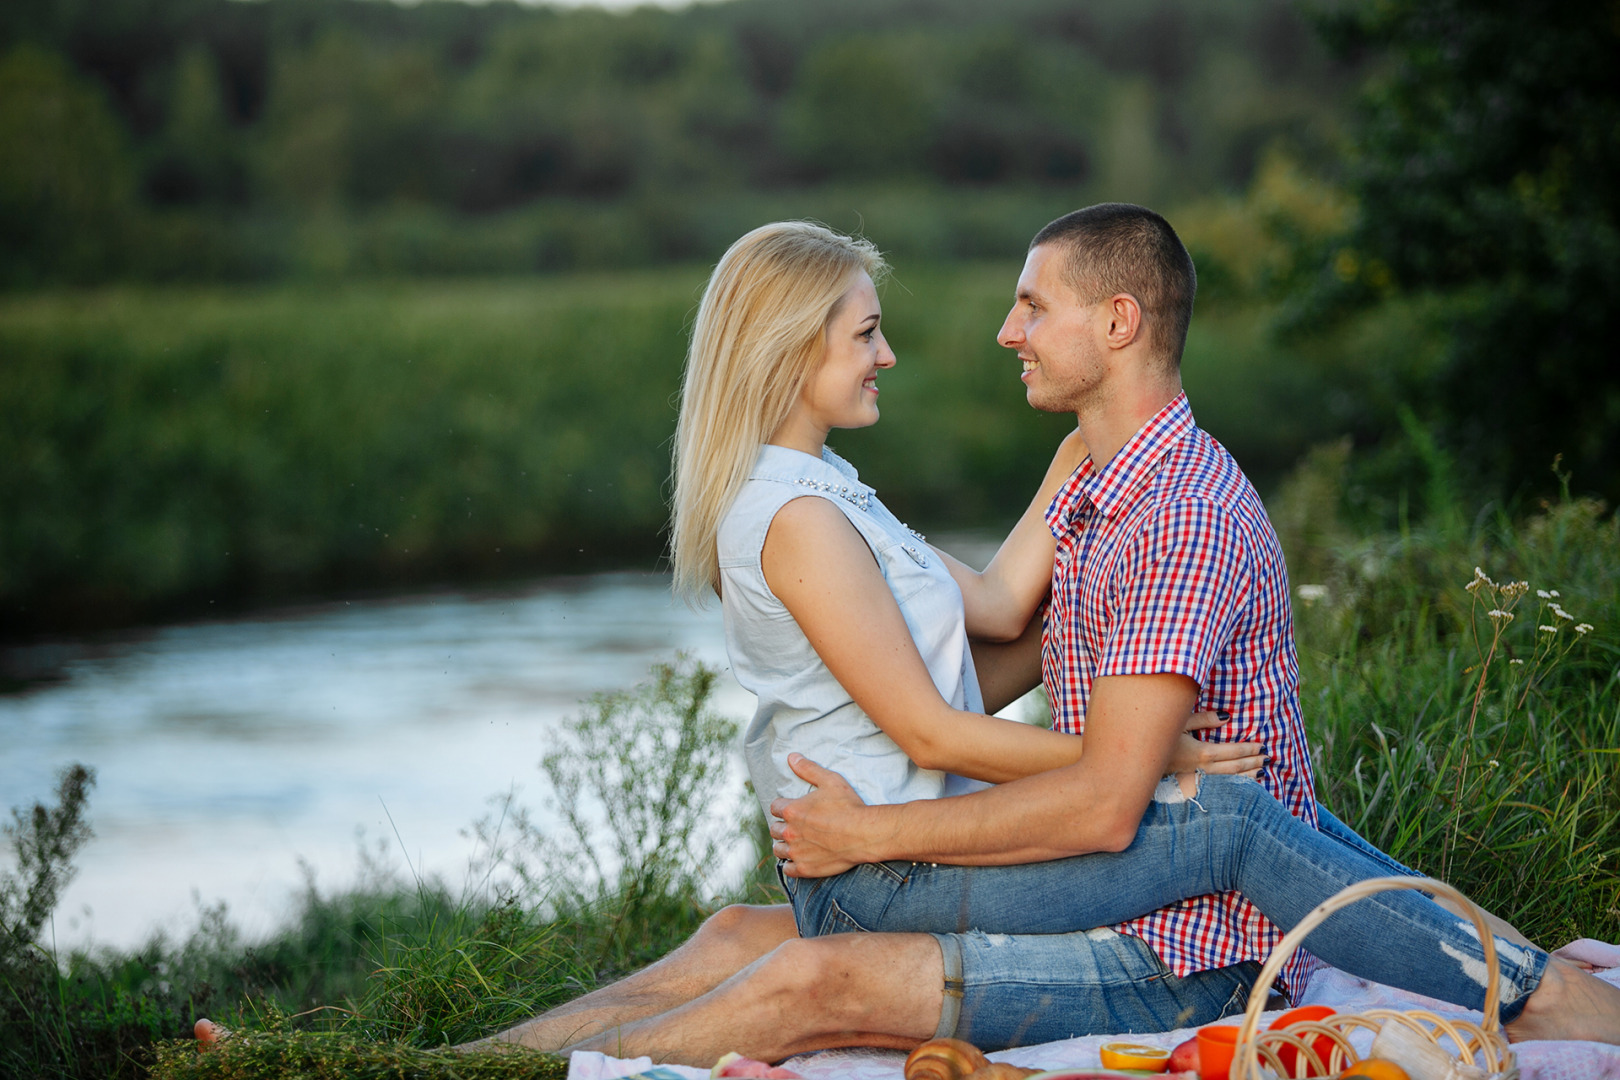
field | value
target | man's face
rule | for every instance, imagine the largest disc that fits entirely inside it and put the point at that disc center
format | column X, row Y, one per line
column 1055, row 335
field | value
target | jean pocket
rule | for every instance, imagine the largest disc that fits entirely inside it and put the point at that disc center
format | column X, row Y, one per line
column 838, row 921
column 895, row 872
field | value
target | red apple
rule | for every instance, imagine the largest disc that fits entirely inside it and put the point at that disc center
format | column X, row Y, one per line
column 1184, row 1058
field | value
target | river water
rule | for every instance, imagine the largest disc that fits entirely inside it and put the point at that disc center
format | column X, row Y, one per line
column 229, row 752
column 231, row 755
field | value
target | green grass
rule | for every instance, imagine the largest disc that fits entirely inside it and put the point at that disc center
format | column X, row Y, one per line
column 1478, row 750
column 380, row 979
column 167, row 448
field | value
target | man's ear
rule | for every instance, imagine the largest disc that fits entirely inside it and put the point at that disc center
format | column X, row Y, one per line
column 1124, row 321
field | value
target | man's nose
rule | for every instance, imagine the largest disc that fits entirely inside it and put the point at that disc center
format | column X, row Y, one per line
column 1011, row 334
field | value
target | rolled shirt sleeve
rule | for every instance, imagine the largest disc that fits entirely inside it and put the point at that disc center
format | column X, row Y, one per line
column 1184, row 589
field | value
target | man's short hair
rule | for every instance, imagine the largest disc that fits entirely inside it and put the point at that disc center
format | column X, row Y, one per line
column 1122, row 248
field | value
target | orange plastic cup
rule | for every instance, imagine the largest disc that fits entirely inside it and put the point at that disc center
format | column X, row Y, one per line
column 1215, row 1048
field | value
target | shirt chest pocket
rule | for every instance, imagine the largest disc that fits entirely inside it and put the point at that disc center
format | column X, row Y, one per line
column 909, row 566
column 928, row 598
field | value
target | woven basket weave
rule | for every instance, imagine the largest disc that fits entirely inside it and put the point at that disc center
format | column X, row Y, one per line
column 1482, row 1045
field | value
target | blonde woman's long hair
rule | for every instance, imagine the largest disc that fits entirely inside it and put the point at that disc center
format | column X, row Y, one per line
column 758, row 336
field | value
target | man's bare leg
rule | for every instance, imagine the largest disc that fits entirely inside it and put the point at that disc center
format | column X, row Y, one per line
column 1569, row 1004
column 728, row 941
column 843, row 990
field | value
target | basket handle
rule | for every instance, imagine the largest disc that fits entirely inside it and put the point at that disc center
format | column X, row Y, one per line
column 1247, row 1056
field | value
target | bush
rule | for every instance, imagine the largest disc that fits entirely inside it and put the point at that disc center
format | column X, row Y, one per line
column 378, row 980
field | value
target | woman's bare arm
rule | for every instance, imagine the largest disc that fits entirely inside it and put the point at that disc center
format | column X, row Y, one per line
column 1008, row 670
column 1000, row 600
column 818, row 565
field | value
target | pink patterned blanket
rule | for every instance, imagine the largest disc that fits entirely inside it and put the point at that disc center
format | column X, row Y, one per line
column 1537, row 1060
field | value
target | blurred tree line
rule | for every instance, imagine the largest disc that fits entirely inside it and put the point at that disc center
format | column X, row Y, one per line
column 220, row 139
column 1403, row 213
column 1485, row 164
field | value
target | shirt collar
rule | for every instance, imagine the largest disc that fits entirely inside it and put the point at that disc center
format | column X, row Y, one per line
column 781, row 463
column 1114, row 486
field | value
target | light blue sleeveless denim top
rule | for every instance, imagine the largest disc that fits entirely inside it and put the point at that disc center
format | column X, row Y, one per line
column 801, row 706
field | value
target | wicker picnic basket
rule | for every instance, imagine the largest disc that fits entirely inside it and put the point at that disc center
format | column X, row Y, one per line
column 1483, row 1046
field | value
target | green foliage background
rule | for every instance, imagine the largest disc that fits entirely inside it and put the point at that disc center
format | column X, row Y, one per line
column 177, row 450
column 1403, row 217
column 218, row 139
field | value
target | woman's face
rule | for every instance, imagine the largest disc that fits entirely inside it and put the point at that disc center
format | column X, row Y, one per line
column 843, row 393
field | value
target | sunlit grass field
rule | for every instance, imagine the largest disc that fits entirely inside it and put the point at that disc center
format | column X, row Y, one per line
column 166, row 451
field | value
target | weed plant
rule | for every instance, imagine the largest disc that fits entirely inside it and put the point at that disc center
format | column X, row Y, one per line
column 640, row 779
column 1468, row 726
column 550, row 915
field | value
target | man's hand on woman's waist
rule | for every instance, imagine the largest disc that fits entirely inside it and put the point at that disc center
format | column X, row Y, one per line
column 829, row 829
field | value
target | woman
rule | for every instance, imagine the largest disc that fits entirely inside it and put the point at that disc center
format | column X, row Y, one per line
column 854, row 634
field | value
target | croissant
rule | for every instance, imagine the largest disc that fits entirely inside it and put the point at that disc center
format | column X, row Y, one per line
column 944, row 1059
column 1000, row 1070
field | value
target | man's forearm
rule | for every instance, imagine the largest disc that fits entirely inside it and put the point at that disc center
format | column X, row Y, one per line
column 1052, row 815
column 1094, row 804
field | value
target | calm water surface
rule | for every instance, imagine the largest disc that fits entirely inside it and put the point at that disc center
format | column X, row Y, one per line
column 226, row 752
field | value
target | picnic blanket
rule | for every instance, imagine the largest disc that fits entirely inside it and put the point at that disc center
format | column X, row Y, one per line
column 1329, row 986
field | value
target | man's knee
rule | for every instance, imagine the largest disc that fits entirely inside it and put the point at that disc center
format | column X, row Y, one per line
column 805, row 967
column 747, row 926
column 858, row 982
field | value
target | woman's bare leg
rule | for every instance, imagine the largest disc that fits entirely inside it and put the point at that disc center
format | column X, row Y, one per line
column 728, row 941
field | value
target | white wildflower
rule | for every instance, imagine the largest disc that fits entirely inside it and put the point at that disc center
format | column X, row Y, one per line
column 1498, row 615
column 1515, row 589
column 1512, row 663
column 1553, row 593
column 1584, row 628
column 1495, row 764
column 1311, row 593
column 1544, row 594
column 1561, row 613
column 1545, row 629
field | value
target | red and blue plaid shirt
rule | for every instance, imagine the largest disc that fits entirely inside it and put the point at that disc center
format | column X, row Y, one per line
column 1166, row 562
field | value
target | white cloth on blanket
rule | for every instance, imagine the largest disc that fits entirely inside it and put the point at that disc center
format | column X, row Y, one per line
column 1329, row 986
column 1600, row 954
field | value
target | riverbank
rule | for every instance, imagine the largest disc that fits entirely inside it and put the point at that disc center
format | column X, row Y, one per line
column 1470, row 745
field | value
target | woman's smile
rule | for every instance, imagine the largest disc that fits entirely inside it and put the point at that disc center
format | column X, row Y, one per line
column 843, row 391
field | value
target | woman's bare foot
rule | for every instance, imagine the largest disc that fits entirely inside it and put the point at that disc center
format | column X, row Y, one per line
column 209, row 1034
column 1569, row 1004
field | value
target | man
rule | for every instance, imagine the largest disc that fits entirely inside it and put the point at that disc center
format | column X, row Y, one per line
column 1169, row 593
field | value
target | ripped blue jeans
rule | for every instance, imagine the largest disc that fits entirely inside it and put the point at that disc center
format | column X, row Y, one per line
column 1021, row 950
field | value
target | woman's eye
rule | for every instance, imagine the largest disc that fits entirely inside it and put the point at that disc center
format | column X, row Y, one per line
column 866, row 335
